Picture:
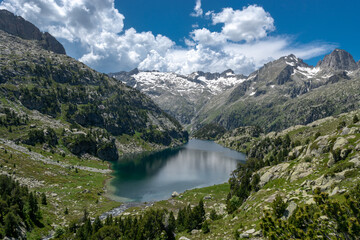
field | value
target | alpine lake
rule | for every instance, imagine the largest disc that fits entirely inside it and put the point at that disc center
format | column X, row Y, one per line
column 155, row 176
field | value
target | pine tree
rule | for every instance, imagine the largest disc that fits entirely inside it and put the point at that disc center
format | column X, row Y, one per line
column 172, row 223
column 43, row 199
column 278, row 206
column 97, row 224
column 355, row 119
column 205, row 227
column 33, row 207
column 213, row 215
column 11, row 223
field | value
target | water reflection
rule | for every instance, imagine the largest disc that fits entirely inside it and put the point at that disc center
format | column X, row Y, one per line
column 155, row 176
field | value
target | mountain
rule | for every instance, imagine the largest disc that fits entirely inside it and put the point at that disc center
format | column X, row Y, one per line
column 17, row 26
column 99, row 115
column 182, row 96
column 61, row 124
column 338, row 60
column 286, row 92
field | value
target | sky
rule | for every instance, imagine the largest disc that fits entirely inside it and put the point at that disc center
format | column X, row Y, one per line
column 185, row 36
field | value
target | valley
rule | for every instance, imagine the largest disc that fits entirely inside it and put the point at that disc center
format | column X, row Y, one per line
column 165, row 152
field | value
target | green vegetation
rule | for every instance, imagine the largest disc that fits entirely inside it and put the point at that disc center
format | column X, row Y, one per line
column 210, row 131
column 153, row 224
column 325, row 220
column 18, row 208
column 243, row 179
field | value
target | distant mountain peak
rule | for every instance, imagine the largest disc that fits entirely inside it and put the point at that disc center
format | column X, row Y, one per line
column 17, row 26
column 338, row 59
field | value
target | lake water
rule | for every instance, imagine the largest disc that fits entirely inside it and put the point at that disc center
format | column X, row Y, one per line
column 152, row 177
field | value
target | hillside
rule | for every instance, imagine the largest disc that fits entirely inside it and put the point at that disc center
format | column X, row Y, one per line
column 298, row 183
column 182, row 96
column 60, row 124
column 287, row 92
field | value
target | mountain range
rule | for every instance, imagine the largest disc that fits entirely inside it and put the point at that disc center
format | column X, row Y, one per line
column 283, row 92
column 62, row 125
column 182, row 96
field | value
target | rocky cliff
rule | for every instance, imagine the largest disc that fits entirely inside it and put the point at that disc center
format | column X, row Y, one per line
column 17, row 26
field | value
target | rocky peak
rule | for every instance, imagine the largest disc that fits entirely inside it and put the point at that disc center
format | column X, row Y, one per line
column 226, row 73
column 338, row 60
column 17, row 26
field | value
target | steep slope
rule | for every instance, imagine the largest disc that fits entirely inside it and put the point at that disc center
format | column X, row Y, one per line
column 300, row 183
column 60, row 87
column 17, row 26
column 60, row 124
column 287, row 92
column 180, row 96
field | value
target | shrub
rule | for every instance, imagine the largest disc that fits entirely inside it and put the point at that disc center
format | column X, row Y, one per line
column 279, row 206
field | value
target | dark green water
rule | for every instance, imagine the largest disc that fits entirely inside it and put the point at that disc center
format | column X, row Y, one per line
column 154, row 177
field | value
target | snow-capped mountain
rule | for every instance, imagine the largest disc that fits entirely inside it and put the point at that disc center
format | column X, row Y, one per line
column 182, row 96
column 287, row 91
column 283, row 91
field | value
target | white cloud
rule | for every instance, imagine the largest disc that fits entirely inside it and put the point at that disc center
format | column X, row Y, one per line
column 198, row 12
column 95, row 29
column 250, row 23
column 205, row 37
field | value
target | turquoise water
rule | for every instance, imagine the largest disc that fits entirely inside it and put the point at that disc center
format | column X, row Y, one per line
column 152, row 177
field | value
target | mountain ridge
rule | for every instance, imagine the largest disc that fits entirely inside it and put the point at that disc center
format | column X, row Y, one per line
column 17, row 26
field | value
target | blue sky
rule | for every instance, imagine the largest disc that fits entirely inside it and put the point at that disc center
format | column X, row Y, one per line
column 189, row 35
column 307, row 20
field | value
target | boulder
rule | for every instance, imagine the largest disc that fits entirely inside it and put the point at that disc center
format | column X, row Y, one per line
column 340, row 143
column 334, row 191
column 356, row 161
column 250, row 231
column 175, row 194
column 331, row 161
column 257, row 234
column 194, row 231
column 301, row 170
column 274, row 172
column 345, row 131
column 295, row 152
column 244, row 235
column 183, row 238
column 289, row 210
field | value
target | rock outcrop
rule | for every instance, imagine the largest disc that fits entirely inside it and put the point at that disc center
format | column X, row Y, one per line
column 338, row 60
column 17, row 26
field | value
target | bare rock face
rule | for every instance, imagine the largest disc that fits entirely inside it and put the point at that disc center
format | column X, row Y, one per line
column 338, row 60
column 19, row 27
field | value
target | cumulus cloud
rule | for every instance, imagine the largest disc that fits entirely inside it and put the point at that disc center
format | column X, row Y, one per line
column 95, row 29
column 250, row 23
column 197, row 9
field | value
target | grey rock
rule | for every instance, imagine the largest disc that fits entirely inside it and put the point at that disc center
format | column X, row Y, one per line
column 195, row 231
column 175, row 194
column 250, row 231
column 338, row 60
column 18, row 26
column 244, row 235
column 183, row 238
column 290, row 210
column 331, row 161
column 340, row 143
column 334, row 191
column 257, row 234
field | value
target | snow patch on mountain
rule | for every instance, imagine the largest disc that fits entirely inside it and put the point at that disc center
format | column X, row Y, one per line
column 193, row 83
